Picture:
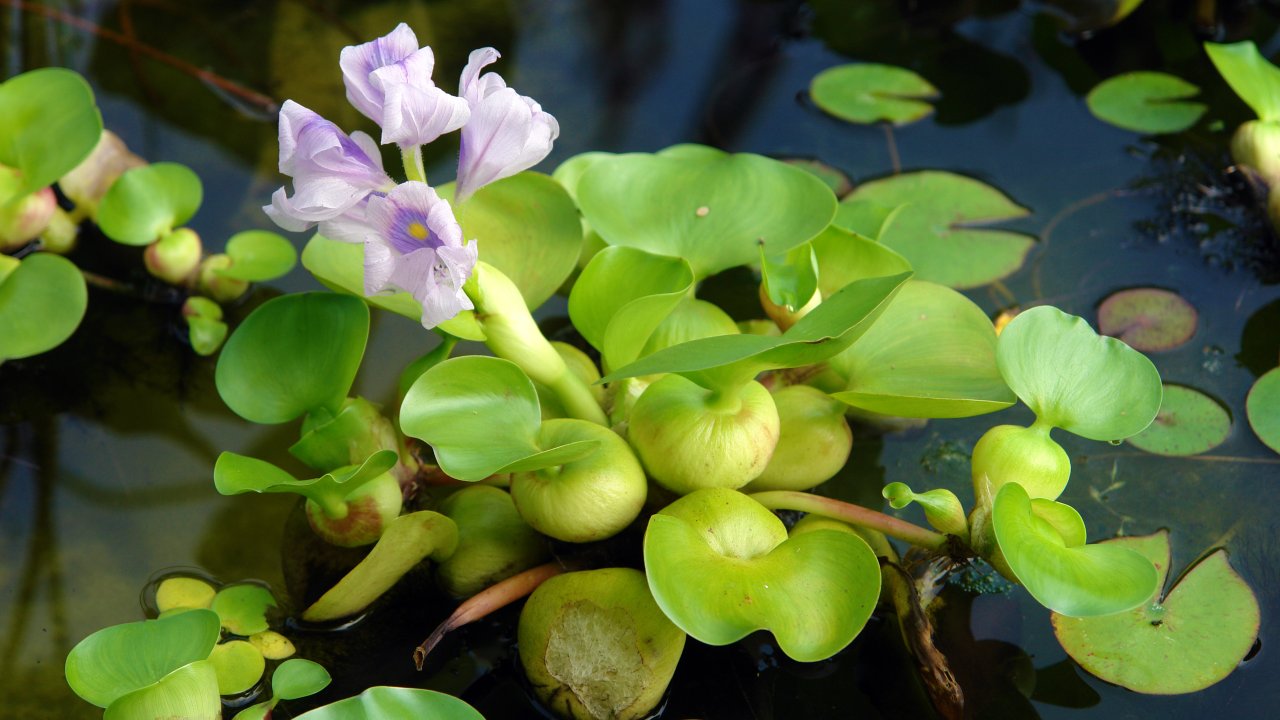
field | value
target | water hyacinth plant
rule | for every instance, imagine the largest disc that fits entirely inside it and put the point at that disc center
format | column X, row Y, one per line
column 661, row 423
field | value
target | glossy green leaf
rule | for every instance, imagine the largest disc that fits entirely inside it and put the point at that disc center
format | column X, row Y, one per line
column 721, row 566
column 206, row 335
column 570, row 172
column 712, row 209
column 49, row 124
column 1263, row 409
column 242, row 608
column 1146, row 102
column 1250, row 75
column 238, row 665
column 1188, row 423
column 407, row 541
column 1096, row 387
column 941, row 507
column 941, row 232
column 865, row 218
column 235, row 474
column 339, row 266
column 844, row 256
column 121, row 659
column 691, row 319
column 41, row 304
column 622, row 296
column 395, row 703
column 791, row 278
column 494, row 541
column 298, row 678
column 257, row 711
column 183, row 592
column 1075, row 580
column 832, row 177
column 258, row 256
column 293, row 354
column 146, row 203
column 1147, row 319
column 1183, row 642
column 481, row 415
column 866, row 93
column 729, row 360
column 931, row 354
column 190, row 693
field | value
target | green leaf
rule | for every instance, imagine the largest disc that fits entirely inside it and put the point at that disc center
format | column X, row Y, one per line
column 844, row 256
column 1075, row 580
column 481, row 415
column 1188, row 423
column 146, row 203
column 298, row 678
column 1146, row 102
column 1181, row 643
column 49, row 124
column 940, row 231
column 120, row 659
column 1096, row 387
column 832, row 177
column 712, row 209
column 1250, row 75
column 237, row 474
column 866, row 93
column 339, row 266
column 865, row 218
column 206, row 334
column 238, row 665
column 190, row 693
column 622, row 296
column 258, row 256
column 791, row 278
column 729, row 360
column 941, row 507
column 293, row 354
column 1147, row 319
column 1263, row 409
column 395, row 703
column 407, row 541
column 242, row 608
column 931, row 354
column 41, row 304
column 570, row 172
column 721, row 567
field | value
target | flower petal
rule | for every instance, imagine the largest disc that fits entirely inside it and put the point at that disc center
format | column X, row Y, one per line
column 415, row 115
column 358, row 61
column 471, row 86
column 507, row 133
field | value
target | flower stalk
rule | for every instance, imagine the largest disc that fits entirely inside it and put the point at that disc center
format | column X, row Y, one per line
column 852, row 514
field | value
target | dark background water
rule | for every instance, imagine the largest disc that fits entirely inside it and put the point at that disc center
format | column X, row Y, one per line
column 107, row 444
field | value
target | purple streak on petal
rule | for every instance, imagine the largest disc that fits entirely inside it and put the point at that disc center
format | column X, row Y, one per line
column 507, row 133
column 358, row 61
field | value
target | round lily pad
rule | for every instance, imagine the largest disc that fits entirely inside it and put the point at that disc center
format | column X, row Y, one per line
column 1263, row 408
column 298, row 678
column 1146, row 102
column 242, row 608
column 184, row 592
column 1147, row 319
column 867, row 92
column 1188, row 423
column 41, row 305
column 259, row 255
column 239, row 666
column 147, row 202
column 1186, row 641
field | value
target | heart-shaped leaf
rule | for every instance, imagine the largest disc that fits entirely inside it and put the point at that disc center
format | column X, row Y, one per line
column 710, row 208
column 406, row 541
column 1250, row 75
column 41, row 304
column 293, row 354
column 938, row 232
column 1263, row 409
column 242, row 608
column 236, row 474
column 146, row 203
column 258, row 256
column 481, row 415
column 1147, row 319
column 622, row 296
column 721, row 566
column 190, row 692
column 394, row 703
column 866, row 92
column 238, row 665
column 931, row 354
column 1188, row 423
column 121, row 659
column 1096, row 387
column 1184, row 642
column 1070, row 579
column 49, row 124
column 1146, row 102
column 298, row 678
column 730, row 360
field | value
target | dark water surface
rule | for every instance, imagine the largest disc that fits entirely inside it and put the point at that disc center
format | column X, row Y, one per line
column 107, row 444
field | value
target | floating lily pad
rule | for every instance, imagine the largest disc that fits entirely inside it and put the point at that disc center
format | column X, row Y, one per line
column 865, row 218
column 1263, row 408
column 146, row 203
column 258, row 256
column 184, row 592
column 866, row 92
column 298, row 678
column 242, row 608
column 1147, row 319
column 41, row 304
column 1146, row 102
column 1188, row 423
column 1180, row 643
column 49, row 124
column 272, row 645
column 239, row 666
column 940, row 231
column 1250, row 75
column 395, row 703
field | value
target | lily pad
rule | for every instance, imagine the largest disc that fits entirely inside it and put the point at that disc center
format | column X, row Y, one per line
column 146, row 203
column 1182, row 642
column 1250, row 75
column 49, row 124
column 41, row 304
column 293, row 354
column 866, row 92
column 395, row 703
column 1263, row 408
column 298, row 678
column 239, row 666
column 940, row 233
column 1146, row 102
column 184, row 592
column 242, row 608
column 721, row 566
column 844, row 256
column 1188, row 423
column 712, row 209
column 865, row 218
column 258, row 256
column 1148, row 319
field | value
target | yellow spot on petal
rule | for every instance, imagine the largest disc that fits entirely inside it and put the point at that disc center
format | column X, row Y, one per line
column 418, row 231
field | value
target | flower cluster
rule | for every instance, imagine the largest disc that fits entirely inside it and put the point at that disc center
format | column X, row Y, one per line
column 412, row 240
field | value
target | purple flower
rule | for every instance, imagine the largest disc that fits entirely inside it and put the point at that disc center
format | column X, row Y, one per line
column 389, row 81
column 416, row 245
column 332, row 173
column 507, row 132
